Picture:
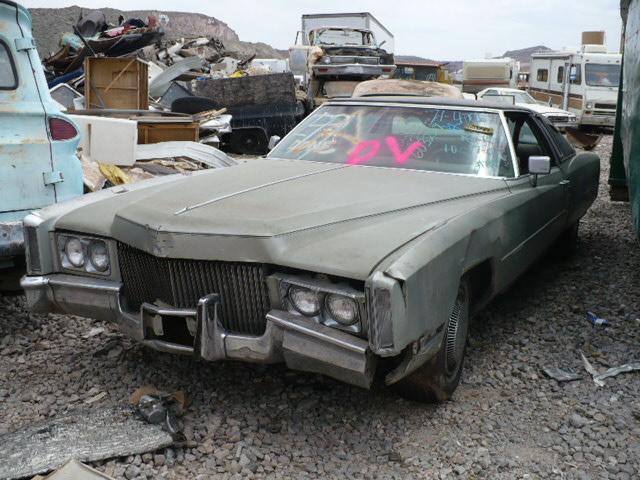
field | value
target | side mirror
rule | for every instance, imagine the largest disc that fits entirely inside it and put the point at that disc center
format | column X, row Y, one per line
column 274, row 139
column 538, row 165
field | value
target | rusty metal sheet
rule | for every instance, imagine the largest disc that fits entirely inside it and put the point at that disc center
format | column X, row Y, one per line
column 84, row 436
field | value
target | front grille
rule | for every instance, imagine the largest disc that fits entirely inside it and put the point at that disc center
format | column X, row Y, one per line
column 610, row 106
column 558, row 118
column 181, row 283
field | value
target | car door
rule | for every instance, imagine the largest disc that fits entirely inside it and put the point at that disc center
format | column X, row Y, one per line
column 538, row 211
column 581, row 172
column 25, row 156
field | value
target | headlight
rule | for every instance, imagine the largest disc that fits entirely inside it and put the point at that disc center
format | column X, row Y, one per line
column 342, row 309
column 99, row 255
column 589, row 105
column 326, row 59
column 306, row 301
column 75, row 252
column 84, row 254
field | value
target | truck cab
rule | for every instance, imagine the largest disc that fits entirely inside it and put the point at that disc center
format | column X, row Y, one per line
column 336, row 51
column 38, row 161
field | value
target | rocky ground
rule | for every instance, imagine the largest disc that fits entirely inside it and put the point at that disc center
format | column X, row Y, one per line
column 507, row 420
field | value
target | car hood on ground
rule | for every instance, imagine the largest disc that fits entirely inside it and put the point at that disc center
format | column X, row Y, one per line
column 339, row 219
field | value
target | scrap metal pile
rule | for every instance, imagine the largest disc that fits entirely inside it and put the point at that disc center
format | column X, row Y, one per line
column 126, row 80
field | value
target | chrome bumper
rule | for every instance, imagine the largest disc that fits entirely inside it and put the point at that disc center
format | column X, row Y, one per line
column 599, row 120
column 299, row 342
column 352, row 69
column 11, row 239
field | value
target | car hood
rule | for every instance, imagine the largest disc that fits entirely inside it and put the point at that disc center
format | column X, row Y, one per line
column 544, row 109
column 297, row 213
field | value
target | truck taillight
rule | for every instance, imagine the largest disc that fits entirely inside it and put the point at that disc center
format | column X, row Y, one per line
column 61, row 129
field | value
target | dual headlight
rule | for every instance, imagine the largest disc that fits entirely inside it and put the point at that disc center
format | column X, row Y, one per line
column 86, row 254
column 330, row 308
column 589, row 105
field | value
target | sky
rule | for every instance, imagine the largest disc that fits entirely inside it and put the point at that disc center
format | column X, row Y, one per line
column 441, row 29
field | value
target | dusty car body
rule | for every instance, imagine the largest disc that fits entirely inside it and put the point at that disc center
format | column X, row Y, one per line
column 324, row 255
column 38, row 162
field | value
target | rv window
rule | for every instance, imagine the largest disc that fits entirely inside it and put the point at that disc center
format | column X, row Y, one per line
column 8, row 79
column 543, row 75
column 603, row 75
column 560, row 75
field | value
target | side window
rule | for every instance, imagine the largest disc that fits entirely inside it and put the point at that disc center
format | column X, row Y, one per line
column 542, row 75
column 560, row 74
column 528, row 139
column 564, row 147
column 578, row 73
column 8, row 77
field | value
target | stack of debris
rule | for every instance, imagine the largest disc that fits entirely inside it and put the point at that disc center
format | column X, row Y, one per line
column 171, row 104
column 93, row 36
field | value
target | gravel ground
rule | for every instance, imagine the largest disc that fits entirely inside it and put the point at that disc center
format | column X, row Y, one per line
column 507, row 420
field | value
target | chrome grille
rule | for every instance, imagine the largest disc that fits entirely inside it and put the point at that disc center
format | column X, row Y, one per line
column 181, row 283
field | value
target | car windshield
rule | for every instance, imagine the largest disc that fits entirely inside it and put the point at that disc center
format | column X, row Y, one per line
column 602, row 75
column 338, row 36
column 518, row 97
column 420, row 138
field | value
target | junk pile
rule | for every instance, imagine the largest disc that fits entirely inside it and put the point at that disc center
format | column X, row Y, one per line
column 127, row 81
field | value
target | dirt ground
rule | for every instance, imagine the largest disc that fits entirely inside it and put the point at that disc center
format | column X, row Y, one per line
column 506, row 421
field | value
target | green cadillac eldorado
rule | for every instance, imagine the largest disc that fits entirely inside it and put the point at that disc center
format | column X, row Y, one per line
column 359, row 248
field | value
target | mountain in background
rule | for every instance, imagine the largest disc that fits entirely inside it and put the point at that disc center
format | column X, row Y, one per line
column 50, row 23
column 523, row 55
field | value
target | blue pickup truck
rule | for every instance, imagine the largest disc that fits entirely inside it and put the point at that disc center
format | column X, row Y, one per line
column 38, row 161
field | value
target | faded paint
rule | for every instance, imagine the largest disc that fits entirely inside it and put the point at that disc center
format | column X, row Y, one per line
column 412, row 233
column 27, row 153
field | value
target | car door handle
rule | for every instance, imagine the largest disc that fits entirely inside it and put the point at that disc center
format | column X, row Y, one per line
column 564, row 182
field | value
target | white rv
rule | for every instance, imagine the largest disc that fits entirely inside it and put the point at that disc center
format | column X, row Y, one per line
column 584, row 82
column 493, row 72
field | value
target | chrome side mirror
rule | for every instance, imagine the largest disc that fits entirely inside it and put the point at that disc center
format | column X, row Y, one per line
column 273, row 141
column 539, row 165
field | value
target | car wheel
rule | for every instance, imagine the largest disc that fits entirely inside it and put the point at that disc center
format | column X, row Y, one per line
column 437, row 379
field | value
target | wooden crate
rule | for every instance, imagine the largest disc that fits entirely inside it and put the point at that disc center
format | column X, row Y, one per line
column 116, row 83
column 154, row 132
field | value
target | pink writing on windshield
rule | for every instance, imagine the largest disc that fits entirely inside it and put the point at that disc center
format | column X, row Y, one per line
column 368, row 149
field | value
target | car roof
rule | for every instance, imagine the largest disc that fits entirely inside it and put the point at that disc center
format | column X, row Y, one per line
column 428, row 101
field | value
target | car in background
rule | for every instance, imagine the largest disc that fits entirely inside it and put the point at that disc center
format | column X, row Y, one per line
column 359, row 248
column 561, row 119
column 38, row 162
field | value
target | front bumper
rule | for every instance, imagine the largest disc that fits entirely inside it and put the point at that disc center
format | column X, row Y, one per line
column 352, row 70
column 11, row 239
column 299, row 342
column 600, row 120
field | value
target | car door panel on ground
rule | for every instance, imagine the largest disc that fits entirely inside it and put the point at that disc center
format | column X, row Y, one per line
column 540, row 212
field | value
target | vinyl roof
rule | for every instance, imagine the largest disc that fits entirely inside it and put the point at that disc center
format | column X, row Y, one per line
column 429, row 101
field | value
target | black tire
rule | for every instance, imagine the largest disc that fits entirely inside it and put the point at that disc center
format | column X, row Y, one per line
column 193, row 105
column 567, row 243
column 436, row 380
